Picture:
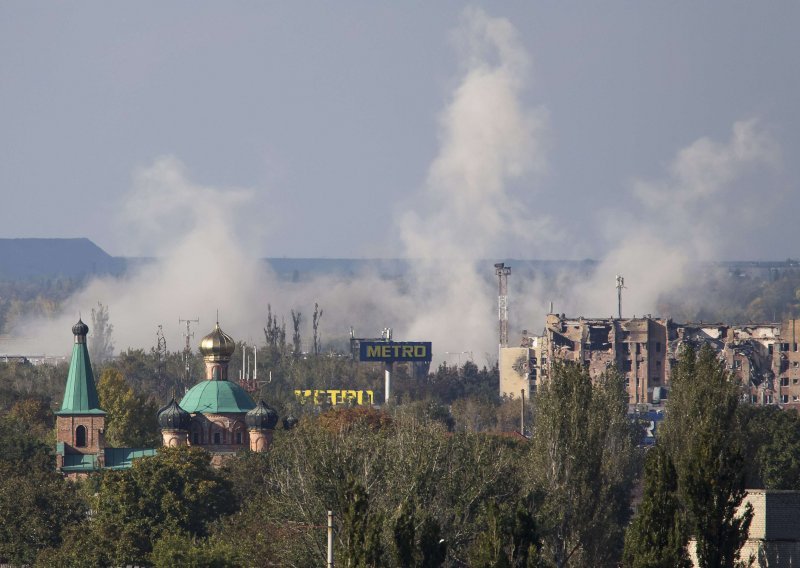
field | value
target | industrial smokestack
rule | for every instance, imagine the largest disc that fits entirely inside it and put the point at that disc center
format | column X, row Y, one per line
column 620, row 286
column 502, row 272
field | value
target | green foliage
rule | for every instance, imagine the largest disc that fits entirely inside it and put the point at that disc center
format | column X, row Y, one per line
column 404, row 534
column 656, row 538
column 360, row 534
column 771, row 447
column 702, row 435
column 177, row 490
column 181, row 549
column 583, row 459
column 510, row 539
column 406, row 460
column 131, row 419
column 36, row 503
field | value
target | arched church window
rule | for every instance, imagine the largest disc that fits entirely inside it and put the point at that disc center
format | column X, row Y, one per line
column 238, row 437
column 217, row 439
column 80, row 437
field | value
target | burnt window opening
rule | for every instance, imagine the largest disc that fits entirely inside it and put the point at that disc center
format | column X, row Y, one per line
column 784, row 381
column 80, row 437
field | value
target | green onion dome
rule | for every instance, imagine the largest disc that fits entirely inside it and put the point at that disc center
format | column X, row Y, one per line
column 217, row 345
column 262, row 417
column 173, row 417
column 217, row 397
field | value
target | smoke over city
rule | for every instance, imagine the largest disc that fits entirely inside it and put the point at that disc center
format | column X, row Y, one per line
column 682, row 219
column 474, row 202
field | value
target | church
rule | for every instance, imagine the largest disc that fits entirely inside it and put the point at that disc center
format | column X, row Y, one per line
column 215, row 414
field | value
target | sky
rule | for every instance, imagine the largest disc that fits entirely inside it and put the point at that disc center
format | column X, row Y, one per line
column 646, row 136
column 330, row 119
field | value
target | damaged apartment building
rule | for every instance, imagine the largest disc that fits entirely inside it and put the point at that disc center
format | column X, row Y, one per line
column 764, row 357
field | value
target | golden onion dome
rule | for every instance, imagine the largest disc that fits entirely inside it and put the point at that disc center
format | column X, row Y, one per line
column 217, row 345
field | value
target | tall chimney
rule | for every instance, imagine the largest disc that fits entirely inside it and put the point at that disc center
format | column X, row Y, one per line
column 502, row 272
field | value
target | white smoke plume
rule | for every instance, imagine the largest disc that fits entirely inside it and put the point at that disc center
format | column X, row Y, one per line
column 705, row 208
column 488, row 139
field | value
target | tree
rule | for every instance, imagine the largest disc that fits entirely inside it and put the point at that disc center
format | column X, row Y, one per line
column 131, row 420
column 656, row 538
column 180, row 549
column 297, row 317
column 702, row 434
column 101, row 346
column 771, row 447
column 510, row 539
column 315, row 324
column 360, row 534
column 36, row 503
column 583, row 456
column 175, row 491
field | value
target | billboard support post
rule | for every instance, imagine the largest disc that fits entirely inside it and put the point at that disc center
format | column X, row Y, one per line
column 388, row 377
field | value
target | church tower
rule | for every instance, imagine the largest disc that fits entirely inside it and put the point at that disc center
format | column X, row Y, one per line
column 217, row 406
column 80, row 422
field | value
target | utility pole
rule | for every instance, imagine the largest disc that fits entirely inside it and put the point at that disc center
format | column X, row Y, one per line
column 187, row 350
column 330, row 539
column 388, row 367
column 502, row 272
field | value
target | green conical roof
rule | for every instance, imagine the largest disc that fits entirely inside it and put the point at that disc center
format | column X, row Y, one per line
column 80, row 395
column 215, row 397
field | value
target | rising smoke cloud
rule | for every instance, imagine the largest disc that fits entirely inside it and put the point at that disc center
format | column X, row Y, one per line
column 704, row 209
column 475, row 193
column 487, row 140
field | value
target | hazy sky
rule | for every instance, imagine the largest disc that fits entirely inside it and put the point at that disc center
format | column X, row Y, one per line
column 328, row 121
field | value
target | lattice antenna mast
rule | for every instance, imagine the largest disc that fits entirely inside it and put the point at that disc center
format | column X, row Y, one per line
column 502, row 272
column 161, row 350
column 620, row 286
column 187, row 350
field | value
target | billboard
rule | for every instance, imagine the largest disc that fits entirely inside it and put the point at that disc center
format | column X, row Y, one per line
column 335, row 396
column 395, row 351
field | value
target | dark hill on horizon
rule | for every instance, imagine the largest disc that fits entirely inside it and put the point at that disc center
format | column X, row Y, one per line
column 23, row 259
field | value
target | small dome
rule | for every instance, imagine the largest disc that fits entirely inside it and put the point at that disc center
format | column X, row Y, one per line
column 289, row 422
column 262, row 417
column 217, row 345
column 80, row 328
column 173, row 417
